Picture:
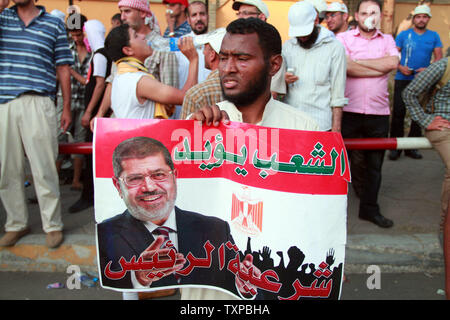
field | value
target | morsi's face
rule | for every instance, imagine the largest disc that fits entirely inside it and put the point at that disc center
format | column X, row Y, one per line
column 151, row 200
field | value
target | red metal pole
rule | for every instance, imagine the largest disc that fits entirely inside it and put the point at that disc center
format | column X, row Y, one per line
column 350, row 144
column 371, row 143
column 75, row 148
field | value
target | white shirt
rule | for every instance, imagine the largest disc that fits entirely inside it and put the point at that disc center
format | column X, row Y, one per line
column 322, row 76
column 124, row 101
column 183, row 70
column 100, row 63
column 276, row 115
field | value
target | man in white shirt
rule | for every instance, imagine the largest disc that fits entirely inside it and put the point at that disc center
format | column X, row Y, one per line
column 198, row 19
column 315, row 75
column 250, row 55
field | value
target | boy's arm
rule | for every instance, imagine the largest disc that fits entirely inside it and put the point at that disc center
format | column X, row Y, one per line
column 151, row 89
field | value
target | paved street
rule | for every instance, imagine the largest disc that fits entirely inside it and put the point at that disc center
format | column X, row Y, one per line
column 409, row 254
column 406, row 286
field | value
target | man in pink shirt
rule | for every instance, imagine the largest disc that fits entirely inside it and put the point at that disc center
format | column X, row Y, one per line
column 371, row 56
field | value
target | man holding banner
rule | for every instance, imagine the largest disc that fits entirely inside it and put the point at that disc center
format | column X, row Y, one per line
column 247, row 89
column 239, row 191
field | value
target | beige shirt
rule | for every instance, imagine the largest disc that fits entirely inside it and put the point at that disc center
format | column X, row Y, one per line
column 276, row 115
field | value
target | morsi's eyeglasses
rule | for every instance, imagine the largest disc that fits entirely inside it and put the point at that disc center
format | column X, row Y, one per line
column 135, row 180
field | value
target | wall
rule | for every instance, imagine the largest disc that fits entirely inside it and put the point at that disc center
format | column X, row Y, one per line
column 103, row 10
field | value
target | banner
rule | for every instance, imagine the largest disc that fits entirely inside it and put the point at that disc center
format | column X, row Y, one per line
column 254, row 211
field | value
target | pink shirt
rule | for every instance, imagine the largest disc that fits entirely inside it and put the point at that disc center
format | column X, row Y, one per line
column 367, row 95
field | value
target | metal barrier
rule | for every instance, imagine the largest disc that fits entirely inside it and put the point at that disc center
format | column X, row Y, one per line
column 350, row 144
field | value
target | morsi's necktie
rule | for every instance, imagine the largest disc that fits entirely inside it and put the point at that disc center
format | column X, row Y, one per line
column 164, row 231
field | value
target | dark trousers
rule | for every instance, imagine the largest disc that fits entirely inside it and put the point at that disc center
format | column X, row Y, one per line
column 399, row 112
column 88, row 179
column 356, row 125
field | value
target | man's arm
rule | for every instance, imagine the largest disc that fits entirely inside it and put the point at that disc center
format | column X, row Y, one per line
column 438, row 54
column 78, row 77
column 63, row 76
column 96, row 95
column 359, row 71
column 383, row 65
column 104, row 106
column 338, row 77
column 336, row 119
column 151, row 89
column 422, row 83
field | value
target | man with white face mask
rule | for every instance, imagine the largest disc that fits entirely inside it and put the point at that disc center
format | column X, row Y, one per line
column 371, row 56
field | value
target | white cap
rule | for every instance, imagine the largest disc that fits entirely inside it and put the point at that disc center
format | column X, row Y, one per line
column 261, row 6
column 319, row 5
column 301, row 17
column 337, row 7
column 213, row 38
column 423, row 9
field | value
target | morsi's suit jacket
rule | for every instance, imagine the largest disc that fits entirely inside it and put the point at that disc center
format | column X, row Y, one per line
column 125, row 236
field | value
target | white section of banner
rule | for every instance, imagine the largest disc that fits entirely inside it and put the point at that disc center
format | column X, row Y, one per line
column 313, row 223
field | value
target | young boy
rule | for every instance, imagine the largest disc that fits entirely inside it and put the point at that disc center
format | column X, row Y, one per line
column 135, row 92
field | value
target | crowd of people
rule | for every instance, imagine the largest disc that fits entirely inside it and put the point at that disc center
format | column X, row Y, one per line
column 332, row 78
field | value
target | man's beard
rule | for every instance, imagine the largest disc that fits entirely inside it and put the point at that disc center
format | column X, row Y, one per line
column 149, row 215
column 202, row 31
column 421, row 27
column 22, row 3
column 311, row 40
column 256, row 89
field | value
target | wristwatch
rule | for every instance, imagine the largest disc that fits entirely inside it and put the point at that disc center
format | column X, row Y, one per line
column 172, row 34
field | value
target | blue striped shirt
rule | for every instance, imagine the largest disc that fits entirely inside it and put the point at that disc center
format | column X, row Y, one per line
column 179, row 31
column 29, row 54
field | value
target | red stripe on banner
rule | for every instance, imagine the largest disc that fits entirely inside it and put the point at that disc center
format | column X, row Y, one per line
column 269, row 158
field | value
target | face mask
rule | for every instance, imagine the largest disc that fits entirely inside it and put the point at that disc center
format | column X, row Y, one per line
column 373, row 21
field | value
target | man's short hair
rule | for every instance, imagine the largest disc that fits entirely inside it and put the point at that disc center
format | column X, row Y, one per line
column 268, row 35
column 138, row 148
column 117, row 17
column 378, row 2
column 116, row 40
column 196, row 2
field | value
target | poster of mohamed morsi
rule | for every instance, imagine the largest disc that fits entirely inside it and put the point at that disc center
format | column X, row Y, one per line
column 256, row 212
